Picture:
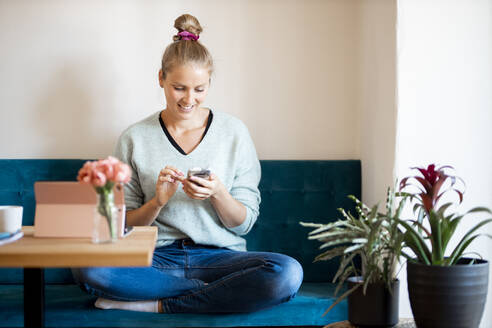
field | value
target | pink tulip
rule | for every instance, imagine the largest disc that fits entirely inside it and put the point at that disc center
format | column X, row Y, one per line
column 113, row 160
column 107, row 168
column 98, row 173
column 122, row 173
column 98, row 178
column 85, row 173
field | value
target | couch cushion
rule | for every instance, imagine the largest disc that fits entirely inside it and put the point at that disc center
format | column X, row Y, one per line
column 294, row 191
column 68, row 306
column 291, row 191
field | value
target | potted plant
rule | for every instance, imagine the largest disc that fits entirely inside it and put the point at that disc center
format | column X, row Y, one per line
column 375, row 240
column 445, row 288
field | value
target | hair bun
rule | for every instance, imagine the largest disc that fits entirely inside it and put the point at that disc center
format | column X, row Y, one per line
column 187, row 23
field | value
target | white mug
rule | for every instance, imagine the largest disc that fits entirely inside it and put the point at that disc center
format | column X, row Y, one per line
column 10, row 218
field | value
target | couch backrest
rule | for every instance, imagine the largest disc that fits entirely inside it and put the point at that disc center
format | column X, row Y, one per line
column 291, row 191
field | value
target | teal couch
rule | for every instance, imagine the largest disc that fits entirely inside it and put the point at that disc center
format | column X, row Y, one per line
column 291, row 191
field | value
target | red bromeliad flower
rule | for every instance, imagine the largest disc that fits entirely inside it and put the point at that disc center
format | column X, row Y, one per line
column 432, row 225
column 430, row 185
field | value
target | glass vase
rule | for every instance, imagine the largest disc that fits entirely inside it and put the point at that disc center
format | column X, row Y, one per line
column 105, row 219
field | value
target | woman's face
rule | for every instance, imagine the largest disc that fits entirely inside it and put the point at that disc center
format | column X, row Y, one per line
column 185, row 88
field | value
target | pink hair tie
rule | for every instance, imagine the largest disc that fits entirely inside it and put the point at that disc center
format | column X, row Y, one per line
column 185, row 35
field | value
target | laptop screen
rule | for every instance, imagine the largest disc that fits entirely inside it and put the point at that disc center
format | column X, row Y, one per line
column 66, row 209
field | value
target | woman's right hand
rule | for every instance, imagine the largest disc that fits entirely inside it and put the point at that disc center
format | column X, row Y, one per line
column 167, row 184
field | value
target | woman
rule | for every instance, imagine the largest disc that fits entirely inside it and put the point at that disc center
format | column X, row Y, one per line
column 200, row 263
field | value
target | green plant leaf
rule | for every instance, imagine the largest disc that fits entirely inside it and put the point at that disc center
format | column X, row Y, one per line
column 443, row 208
column 359, row 203
column 345, row 261
column 349, row 270
column 367, row 281
column 353, row 248
column 328, row 235
column 400, row 208
column 322, row 227
column 479, row 209
column 449, row 229
column 435, row 224
column 344, row 295
column 422, row 228
column 389, row 201
column 308, row 224
column 465, row 241
column 415, row 241
column 454, row 258
column 329, row 254
column 336, row 242
column 407, row 256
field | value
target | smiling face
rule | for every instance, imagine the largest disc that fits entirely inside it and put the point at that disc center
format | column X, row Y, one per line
column 185, row 88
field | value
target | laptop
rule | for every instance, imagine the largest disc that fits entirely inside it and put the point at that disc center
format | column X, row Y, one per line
column 66, row 209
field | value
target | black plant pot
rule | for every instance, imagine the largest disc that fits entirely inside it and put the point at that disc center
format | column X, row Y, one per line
column 377, row 308
column 448, row 296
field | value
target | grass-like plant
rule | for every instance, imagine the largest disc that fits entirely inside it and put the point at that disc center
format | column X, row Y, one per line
column 372, row 236
column 429, row 233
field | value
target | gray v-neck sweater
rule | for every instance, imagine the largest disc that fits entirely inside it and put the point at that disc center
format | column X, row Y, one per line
column 227, row 148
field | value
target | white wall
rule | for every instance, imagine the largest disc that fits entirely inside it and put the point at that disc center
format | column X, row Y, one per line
column 445, row 101
column 376, row 97
column 74, row 74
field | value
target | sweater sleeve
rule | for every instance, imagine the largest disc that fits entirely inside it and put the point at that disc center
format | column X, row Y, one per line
column 133, row 191
column 245, row 185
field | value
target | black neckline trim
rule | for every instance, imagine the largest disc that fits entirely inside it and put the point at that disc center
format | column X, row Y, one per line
column 171, row 139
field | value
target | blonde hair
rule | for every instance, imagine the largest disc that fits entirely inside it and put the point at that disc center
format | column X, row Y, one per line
column 182, row 52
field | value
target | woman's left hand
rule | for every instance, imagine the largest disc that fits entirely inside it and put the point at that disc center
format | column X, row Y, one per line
column 199, row 188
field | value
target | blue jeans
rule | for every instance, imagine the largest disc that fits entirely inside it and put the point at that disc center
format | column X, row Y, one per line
column 191, row 278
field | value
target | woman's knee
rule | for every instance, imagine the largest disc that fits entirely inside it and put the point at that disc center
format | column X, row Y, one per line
column 92, row 277
column 293, row 274
column 286, row 278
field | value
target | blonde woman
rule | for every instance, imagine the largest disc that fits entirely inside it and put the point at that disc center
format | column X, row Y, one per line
column 200, row 264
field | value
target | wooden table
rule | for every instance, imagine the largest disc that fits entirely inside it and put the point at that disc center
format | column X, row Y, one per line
column 35, row 254
column 404, row 323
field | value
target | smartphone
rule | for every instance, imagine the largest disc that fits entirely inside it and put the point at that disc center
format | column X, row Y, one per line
column 198, row 172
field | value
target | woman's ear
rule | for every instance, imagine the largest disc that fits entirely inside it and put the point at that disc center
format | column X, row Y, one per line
column 161, row 79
